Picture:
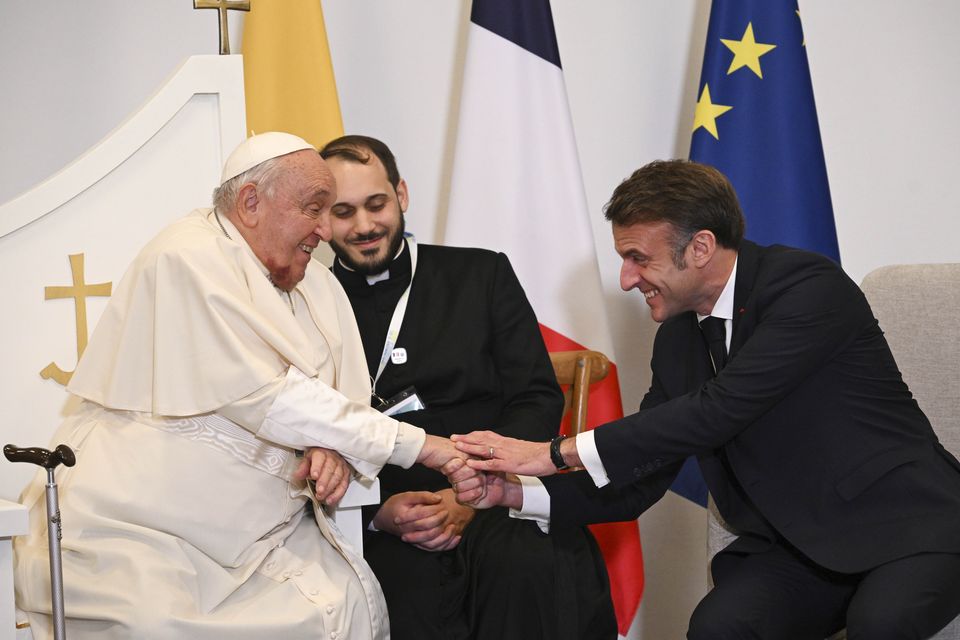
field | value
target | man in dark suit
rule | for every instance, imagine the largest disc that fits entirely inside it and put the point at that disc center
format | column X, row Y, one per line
column 449, row 330
column 772, row 370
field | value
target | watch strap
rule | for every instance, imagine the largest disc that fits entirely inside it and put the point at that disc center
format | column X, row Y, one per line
column 555, row 456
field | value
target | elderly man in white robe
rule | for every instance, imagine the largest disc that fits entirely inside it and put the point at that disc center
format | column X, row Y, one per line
column 222, row 354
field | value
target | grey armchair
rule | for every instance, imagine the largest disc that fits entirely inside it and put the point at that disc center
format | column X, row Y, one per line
column 917, row 307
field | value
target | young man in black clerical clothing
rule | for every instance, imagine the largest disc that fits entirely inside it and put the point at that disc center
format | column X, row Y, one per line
column 448, row 332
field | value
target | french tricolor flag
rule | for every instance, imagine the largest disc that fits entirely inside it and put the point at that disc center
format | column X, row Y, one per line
column 516, row 187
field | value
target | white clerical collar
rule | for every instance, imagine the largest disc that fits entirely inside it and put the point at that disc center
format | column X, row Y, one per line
column 379, row 277
column 723, row 308
column 233, row 234
column 383, row 275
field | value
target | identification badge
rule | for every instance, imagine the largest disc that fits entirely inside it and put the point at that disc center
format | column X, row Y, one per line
column 398, row 355
column 406, row 400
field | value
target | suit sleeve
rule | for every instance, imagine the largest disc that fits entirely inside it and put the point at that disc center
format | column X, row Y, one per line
column 805, row 316
column 575, row 500
column 533, row 402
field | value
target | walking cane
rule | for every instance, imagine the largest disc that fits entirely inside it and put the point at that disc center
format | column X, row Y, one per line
column 49, row 460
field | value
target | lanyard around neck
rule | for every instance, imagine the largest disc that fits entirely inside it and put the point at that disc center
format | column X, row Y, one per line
column 393, row 331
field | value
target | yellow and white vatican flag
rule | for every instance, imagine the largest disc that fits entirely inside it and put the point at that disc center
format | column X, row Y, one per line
column 517, row 188
column 288, row 74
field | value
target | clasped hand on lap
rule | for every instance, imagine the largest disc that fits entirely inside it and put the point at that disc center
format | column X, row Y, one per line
column 329, row 471
column 432, row 521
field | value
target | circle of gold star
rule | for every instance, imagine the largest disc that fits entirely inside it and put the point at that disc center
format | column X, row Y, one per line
column 707, row 112
column 747, row 52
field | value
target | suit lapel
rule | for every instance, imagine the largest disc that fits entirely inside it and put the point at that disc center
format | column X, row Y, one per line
column 748, row 266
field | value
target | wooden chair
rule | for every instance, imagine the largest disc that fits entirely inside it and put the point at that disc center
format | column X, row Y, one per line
column 578, row 370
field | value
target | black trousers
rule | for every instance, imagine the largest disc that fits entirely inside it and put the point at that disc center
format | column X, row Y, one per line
column 781, row 595
column 506, row 580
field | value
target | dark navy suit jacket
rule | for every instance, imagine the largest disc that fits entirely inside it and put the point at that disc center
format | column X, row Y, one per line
column 808, row 433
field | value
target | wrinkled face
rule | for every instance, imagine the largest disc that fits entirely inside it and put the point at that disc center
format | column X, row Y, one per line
column 647, row 253
column 366, row 221
column 293, row 217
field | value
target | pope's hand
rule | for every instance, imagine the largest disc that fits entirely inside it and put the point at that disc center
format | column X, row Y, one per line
column 330, row 473
column 490, row 451
column 438, row 453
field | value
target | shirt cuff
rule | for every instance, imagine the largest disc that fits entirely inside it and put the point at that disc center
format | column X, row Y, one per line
column 536, row 503
column 407, row 446
column 590, row 458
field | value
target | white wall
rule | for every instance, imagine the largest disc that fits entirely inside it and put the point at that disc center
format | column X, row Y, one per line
column 884, row 72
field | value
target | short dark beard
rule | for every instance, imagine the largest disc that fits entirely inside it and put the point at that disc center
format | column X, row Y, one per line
column 371, row 267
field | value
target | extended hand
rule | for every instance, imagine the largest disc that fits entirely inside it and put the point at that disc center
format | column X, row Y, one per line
column 499, row 453
column 329, row 472
column 501, row 490
column 440, row 454
column 437, row 451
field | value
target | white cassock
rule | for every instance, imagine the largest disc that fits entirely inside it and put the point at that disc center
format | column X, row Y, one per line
column 180, row 518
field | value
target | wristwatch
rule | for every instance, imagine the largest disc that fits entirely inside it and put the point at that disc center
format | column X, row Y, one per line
column 555, row 454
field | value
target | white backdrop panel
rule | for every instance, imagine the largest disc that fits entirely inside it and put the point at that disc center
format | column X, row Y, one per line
column 157, row 166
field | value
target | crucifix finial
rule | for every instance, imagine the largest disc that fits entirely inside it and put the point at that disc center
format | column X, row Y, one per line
column 222, row 6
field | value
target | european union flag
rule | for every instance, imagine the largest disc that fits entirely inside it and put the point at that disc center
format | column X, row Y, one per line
column 757, row 123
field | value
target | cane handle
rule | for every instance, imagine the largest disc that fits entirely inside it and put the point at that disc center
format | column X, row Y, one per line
column 41, row 457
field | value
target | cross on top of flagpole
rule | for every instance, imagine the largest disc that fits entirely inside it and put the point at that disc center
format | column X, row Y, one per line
column 222, row 6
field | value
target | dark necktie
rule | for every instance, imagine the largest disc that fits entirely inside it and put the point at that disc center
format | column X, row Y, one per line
column 715, row 333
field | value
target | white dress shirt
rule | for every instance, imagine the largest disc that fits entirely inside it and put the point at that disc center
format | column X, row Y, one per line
column 536, row 499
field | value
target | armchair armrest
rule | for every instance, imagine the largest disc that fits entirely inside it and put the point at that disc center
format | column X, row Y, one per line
column 347, row 514
column 14, row 521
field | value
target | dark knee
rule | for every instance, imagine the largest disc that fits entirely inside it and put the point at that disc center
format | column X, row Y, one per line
column 511, row 567
column 712, row 623
column 878, row 624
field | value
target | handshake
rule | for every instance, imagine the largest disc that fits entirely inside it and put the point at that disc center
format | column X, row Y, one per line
column 479, row 466
column 482, row 465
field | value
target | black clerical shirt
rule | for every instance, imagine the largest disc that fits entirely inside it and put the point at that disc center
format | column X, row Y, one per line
column 373, row 304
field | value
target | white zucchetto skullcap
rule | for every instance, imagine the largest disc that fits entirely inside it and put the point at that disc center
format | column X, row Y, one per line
column 260, row 148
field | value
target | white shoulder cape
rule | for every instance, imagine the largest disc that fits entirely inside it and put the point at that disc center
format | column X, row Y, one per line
column 195, row 324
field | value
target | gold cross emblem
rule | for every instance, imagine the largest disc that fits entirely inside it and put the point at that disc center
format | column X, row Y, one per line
column 79, row 292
